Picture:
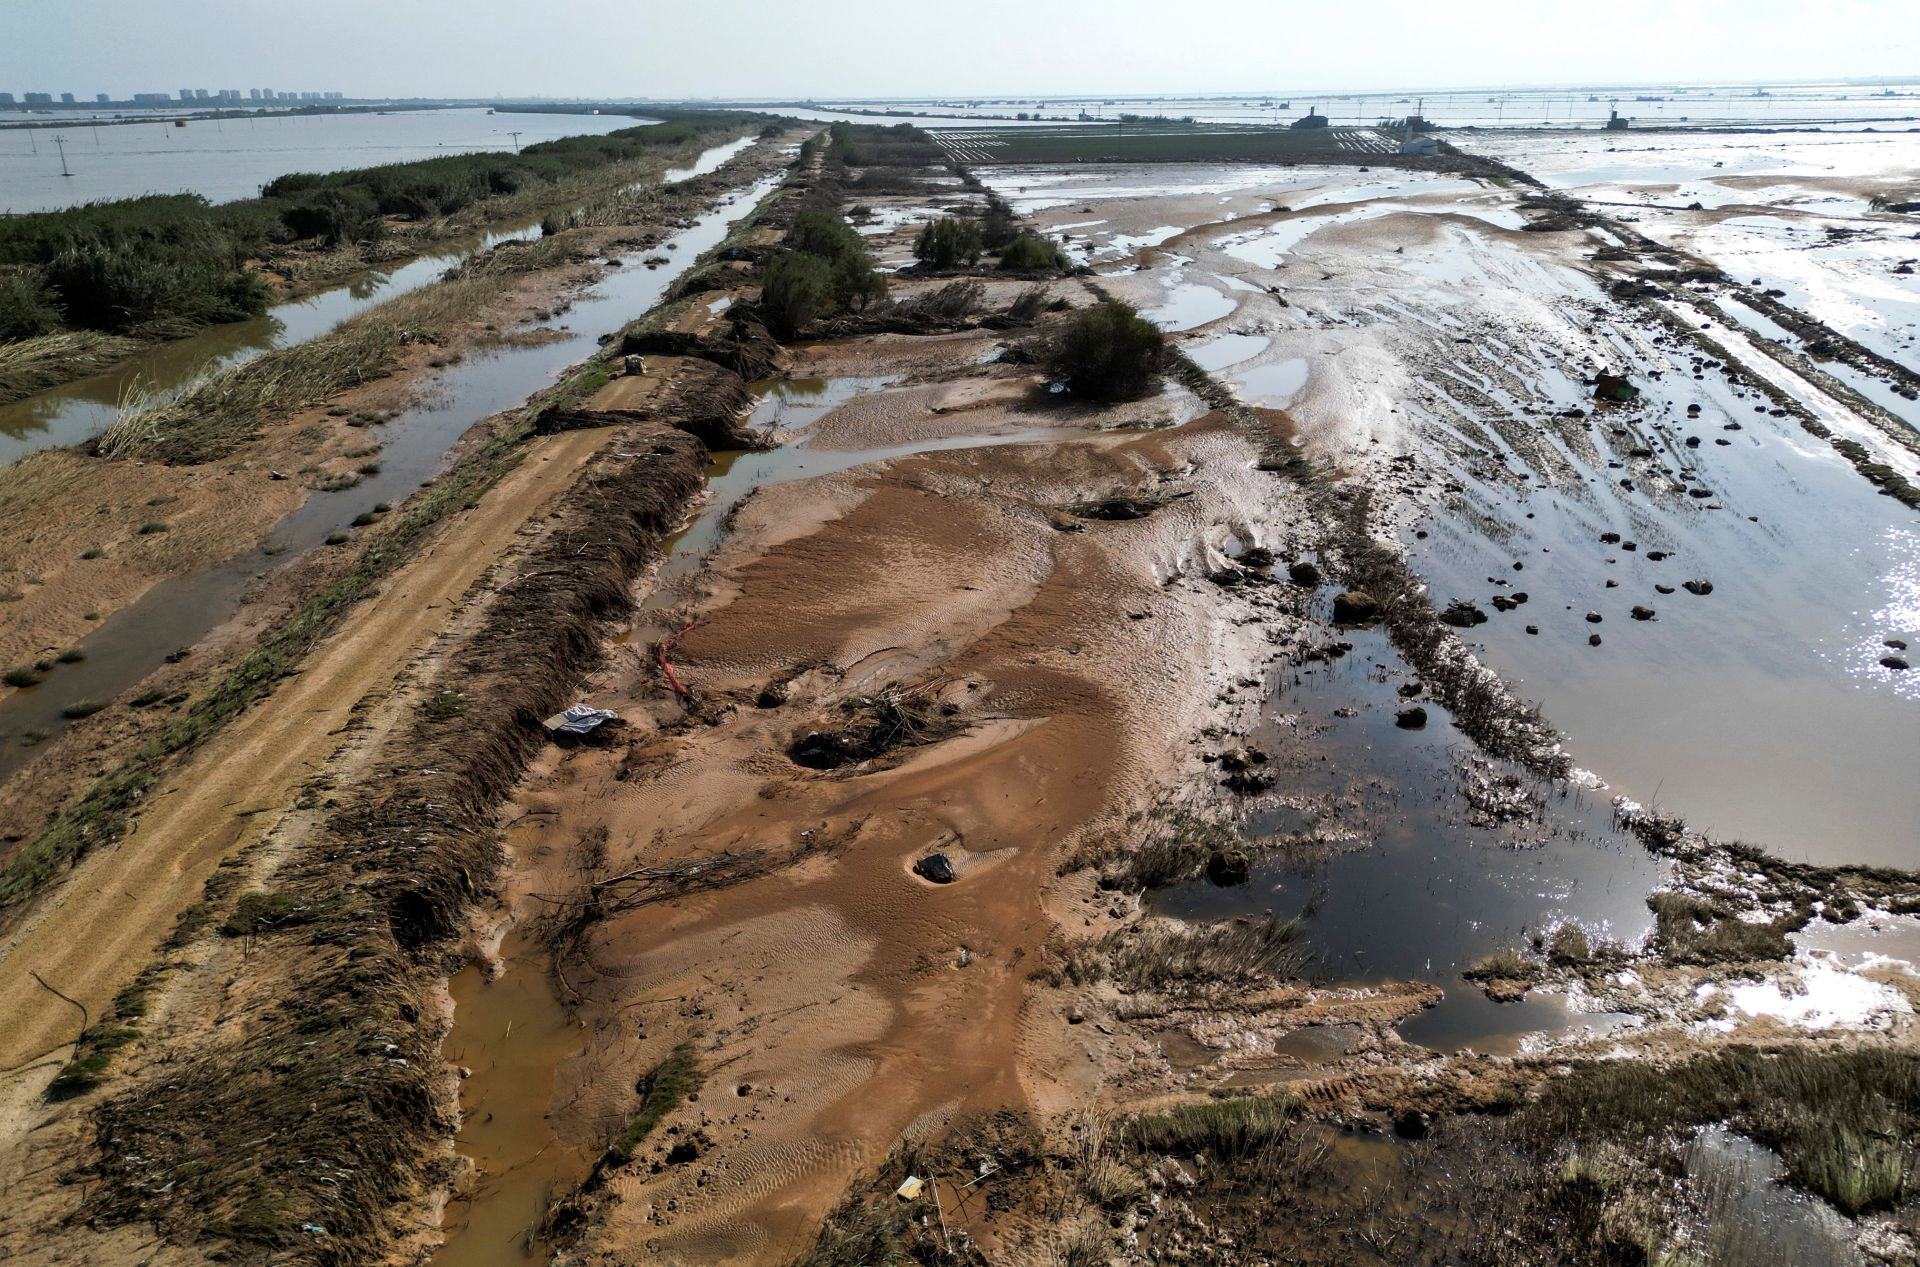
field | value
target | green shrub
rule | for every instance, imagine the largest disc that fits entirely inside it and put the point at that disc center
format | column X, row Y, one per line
column 21, row 675
column 72, row 655
column 949, row 242
column 661, row 1091
column 798, row 289
column 152, row 526
column 998, row 226
column 82, row 708
column 1031, row 253
column 1107, row 352
column 334, row 216
column 28, row 306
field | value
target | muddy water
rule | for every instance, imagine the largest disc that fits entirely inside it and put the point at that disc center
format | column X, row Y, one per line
column 1752, row 1219
column 512, row 1035
column 516, row 1024
column 1417, row 891
column 177, row 613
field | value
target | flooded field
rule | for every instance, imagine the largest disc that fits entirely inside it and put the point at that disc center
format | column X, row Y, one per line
column 225, row 159
column 1419, row 340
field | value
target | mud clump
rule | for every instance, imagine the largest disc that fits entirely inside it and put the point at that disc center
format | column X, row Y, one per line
column 1411, row 718
column 870, row 727
column 1303, row 572
column 1355, row 607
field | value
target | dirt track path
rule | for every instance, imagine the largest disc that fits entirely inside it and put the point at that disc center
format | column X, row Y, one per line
column 115, row 910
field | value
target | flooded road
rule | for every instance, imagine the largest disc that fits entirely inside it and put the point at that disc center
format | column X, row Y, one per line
column 176, row 613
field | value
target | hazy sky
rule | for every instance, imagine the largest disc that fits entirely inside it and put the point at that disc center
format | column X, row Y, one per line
column 864, row 48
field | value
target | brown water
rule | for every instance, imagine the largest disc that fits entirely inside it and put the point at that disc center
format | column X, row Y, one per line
column 512, row 1033
column 225, row 159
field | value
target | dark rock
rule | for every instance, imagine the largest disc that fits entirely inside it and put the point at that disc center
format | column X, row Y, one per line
column 1533, row 629
column 1115, row 508
column 1892, row 662
column 1228, row 867
column 1642, row 613
column 1412, row 717
column 772, row 695
column 1663, row 589
column 1412, row 1124
column 1463, row 615
column 1303, row 573
column 1698, row 585
column 1593, row 640
column 1613, row 387
column 1355, row 607
column 1227, row 578
column 1898, row 644
column 1593, row 618
column 1610, row 538
column 1409, row 689
column 1256, row 557
column 1656, row 555
column 936, row 867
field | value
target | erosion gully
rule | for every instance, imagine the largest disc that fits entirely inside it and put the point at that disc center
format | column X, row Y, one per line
column 176, row 613
column 510, row 1029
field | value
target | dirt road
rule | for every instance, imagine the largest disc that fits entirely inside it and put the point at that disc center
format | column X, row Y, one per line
column 116, row 909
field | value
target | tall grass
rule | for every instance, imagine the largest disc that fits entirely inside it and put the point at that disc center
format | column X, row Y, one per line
column 1229, row 1128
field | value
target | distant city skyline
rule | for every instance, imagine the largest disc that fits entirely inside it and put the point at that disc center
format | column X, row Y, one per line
column 875, row 48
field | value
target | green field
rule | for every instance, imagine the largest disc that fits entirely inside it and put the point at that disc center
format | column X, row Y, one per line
column 1157, row 143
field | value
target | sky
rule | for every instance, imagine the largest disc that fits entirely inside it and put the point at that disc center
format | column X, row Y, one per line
column 782, row 49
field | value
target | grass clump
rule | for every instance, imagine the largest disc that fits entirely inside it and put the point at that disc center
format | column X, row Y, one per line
column 88, row 1067
column 1693, row 929
column 82, row 708
column 257, row 913
column 72, row 655
column 446, row 704
column 1107, row 352
column 22, row 675
column 661, row 1091
column 153, row 526
column 1224, row 1129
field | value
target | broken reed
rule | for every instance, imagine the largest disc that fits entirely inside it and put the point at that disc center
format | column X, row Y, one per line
column 28, row 366
column 215, row 414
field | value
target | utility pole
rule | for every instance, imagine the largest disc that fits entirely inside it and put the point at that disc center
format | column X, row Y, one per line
column 516, row 141
column 61, row 141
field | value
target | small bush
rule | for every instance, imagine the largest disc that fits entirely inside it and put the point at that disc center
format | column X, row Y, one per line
column 1031, row 253
column 152, row 526
column 949, row 242
column 95, row 553
column 338, row 538
column 28, row 307
column 1107, row 352
column 21, row 675
column 797, row 291
column 72, row 655
column 82, row 708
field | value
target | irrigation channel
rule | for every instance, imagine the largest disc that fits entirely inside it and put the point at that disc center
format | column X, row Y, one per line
column 510, row 1030
column 178, row 612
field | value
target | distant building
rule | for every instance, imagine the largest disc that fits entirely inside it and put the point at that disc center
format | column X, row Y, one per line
column 186, row 94
column 151, row 99
column 7, row 101
column 336, row 96
column 39, row 98
column 101, row 98
column 1615, row 123
column 253, row 94
column 66, row 98
column 200, row 94
column 1311, row 119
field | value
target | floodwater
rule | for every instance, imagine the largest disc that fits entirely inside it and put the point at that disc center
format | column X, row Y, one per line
column 1753, row 1219
column 1415, row 890
column 514, row 1026
column 225, row 159
column 76, row 412
column 178, row 612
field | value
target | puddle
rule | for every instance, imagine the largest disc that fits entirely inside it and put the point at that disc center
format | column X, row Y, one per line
column 513, row 1034
column 1466, row 1018
column 178, row 612
column 1189, row 305
column 1752, row 1218
column 1421, row 892
column 1275, row 385
column 1227, row 349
